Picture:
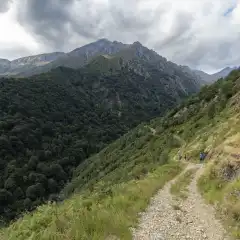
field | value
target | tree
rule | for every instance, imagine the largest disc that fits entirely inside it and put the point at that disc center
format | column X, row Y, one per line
column 32, row 163
column 10, row 184
column 227, row 89
column 56, row 171
column 27, row 203
column 18, row 193
column 5, row 197
column 35, row 191
column 52, row 186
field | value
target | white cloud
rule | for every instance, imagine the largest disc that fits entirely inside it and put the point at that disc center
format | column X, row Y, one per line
column 14, row 39
column 197, row 33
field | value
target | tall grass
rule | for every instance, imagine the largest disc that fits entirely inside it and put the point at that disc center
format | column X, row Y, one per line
column 93, row 216
column 224, row 195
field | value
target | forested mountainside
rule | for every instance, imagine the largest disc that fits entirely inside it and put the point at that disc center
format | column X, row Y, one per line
column 50, row 123
column 113, row 186
column 183, row 122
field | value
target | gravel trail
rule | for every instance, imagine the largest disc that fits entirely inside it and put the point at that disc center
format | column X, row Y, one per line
column 168, row 218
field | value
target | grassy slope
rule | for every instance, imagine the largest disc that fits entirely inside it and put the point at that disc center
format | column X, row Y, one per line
column 220, row 184
column 111, row 187
column 95, row 216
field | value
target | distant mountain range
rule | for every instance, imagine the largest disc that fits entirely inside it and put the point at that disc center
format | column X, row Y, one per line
column 210, row 78
column 96, row 51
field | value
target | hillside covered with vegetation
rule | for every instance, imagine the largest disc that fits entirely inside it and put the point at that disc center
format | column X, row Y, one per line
column 110, row 188
column 51, row 122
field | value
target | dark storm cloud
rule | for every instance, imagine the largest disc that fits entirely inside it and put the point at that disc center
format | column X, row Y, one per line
column 55, row 22
column 46, row 18
column 4, row 5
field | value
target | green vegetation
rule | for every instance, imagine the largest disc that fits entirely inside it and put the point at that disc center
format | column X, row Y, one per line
column 206, row 121
column 51, row 122
column 179, row 187
column 187, row 127
column 130, row 157
column 223, row 192
column 93, row 216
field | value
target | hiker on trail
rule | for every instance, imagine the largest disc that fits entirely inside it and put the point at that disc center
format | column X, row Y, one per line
column 179, row 155
column 202, row 156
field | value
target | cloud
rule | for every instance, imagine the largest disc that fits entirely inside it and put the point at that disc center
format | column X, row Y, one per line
column 15, row 41
column 201, row 33
column 4, row 5
column 47, row 19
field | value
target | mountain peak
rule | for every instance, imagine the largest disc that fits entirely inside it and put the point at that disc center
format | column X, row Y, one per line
column 103, row 40
column 137, row 43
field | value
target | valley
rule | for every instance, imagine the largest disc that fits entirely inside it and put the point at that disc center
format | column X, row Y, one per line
column 89, row 137
column 109, row 189
column 52, row 122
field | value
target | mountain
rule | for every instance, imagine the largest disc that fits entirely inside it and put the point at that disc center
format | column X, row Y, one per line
column 204, row 76
column 4, row 65
column 148, row 64
column 102, row 46
column 200, row 76
column 222, row 74
column 81, row 56
column 27, row 63
column 181, row 126
column 111, row 189
column 210, row 78
column 33, row 65
column 50, row 123
column 135, row 55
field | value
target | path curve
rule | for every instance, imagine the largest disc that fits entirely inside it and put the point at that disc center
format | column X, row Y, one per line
column 195, row 221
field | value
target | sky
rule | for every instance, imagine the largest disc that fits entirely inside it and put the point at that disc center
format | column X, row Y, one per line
column 202, row 34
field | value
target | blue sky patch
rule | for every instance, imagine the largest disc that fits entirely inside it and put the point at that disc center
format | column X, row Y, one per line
column 229, row 10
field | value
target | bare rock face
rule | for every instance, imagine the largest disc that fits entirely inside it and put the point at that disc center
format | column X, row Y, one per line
column 102, row 46
column 37, row 60
column 27, row 63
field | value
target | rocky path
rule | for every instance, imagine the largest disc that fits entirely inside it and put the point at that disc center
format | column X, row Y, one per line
column 169, row 219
